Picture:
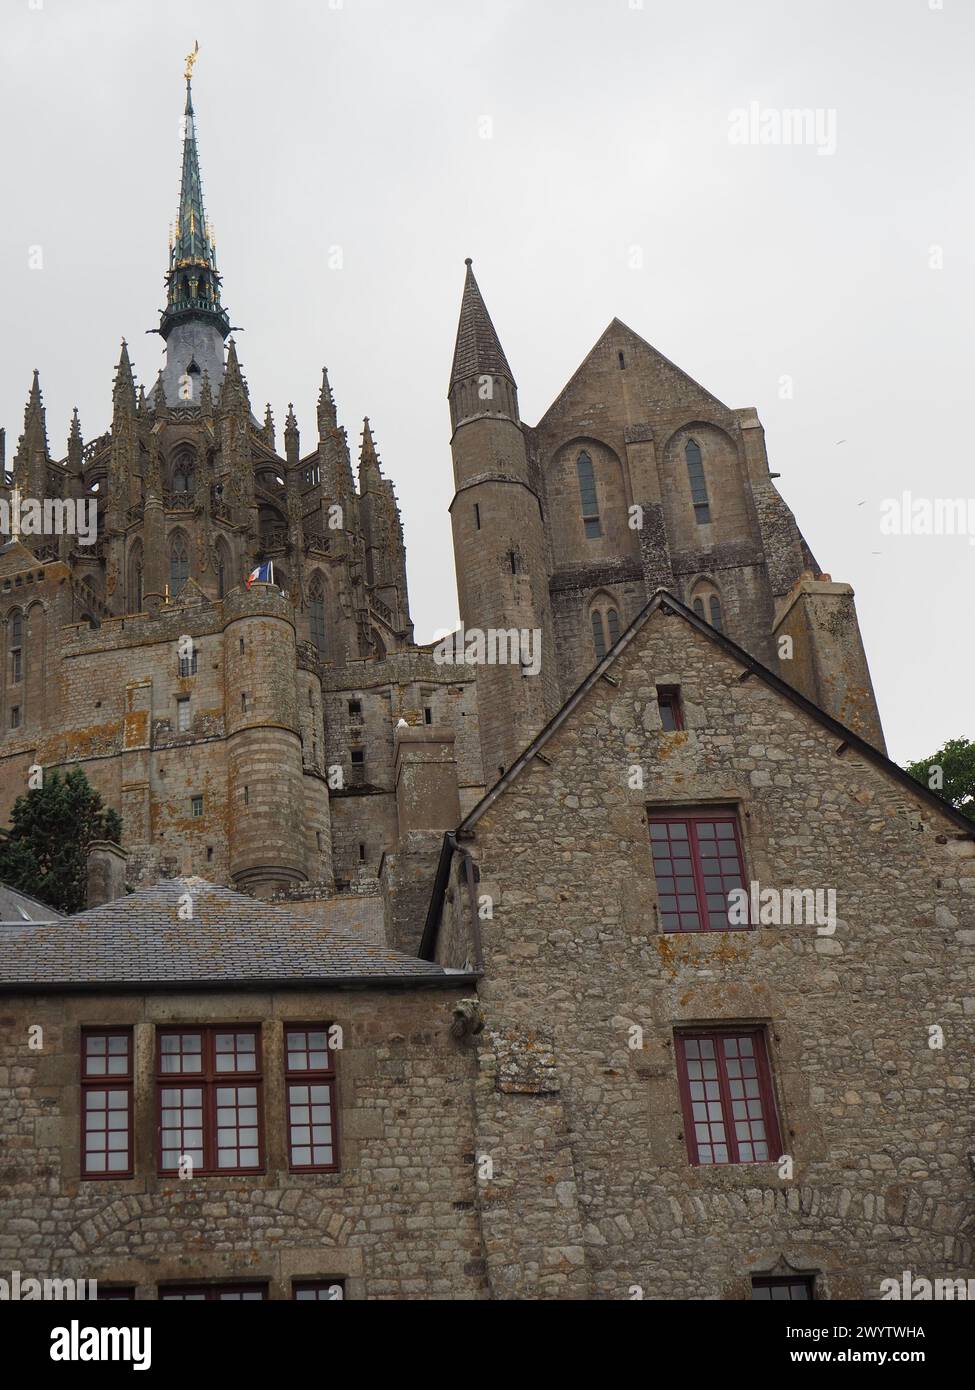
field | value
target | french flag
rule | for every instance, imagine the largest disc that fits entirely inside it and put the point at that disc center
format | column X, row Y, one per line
column 264, row 574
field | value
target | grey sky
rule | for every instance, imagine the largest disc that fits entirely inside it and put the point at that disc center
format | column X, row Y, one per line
column 361, row 127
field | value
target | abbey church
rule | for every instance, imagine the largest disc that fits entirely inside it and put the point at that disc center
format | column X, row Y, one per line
column 557, row 1071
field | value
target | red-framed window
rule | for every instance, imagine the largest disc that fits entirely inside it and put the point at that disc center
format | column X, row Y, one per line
column 318, row 1290
column 668, row 702
column 727, row 1097
column 309, row 1078
column 214, row 1293
column 106, row 1103
column 697, row 861
column 794, row 1289
column 209, row 1083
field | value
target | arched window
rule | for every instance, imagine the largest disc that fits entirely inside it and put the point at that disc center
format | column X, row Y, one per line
column 316, row 614
column 179, row 564
column 699, row 487
column 706, row 603
column 16, row 648
column 587, row 495
column 183, row 472
column 604, row 619
column 135, row 579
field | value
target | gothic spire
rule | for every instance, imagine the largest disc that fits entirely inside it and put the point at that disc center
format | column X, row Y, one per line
column 370, row 473
column 478, row 351
column 123, row 390
column 76, row 449
column 35, row 418
column 192, row 281
column 291, row 444
column 234, row 388
column 327, row 415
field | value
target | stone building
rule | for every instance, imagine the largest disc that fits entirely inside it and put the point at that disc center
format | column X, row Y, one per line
column 626, row 965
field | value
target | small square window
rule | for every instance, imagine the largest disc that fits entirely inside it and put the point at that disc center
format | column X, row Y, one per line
column 358, row 757
column 355, row 709
column 791, row 1289
column 318, row 1291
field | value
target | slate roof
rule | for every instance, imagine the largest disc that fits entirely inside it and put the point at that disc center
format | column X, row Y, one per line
column 478, row 350
column 17, row 907
column 231, row 939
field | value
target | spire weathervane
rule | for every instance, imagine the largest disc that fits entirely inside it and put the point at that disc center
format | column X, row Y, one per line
column 191, row 59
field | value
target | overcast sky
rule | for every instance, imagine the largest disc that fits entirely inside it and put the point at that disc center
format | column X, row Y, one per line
column 363, row 126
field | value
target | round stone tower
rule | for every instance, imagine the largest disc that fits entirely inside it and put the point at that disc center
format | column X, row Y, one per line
column 264, row 761
column 499, row 543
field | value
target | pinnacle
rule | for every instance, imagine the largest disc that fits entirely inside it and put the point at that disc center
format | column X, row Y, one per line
column 370, row 470
column 327, row 415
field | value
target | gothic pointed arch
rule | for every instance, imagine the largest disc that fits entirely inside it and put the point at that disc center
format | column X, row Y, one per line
column 316, row 613
column 226, row 579
column 182, row 477
column 135, row 578
column 179, row 562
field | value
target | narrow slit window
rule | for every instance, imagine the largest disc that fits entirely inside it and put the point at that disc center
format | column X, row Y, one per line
column 715, row 606
column 598, row 635
column 671, row 713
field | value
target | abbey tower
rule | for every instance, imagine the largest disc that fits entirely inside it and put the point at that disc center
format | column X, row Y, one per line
column 292, row 736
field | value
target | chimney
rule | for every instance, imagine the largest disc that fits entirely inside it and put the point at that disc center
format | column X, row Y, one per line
column 106, row 872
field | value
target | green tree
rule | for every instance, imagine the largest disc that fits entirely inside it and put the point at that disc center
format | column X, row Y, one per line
column 951, row 773
column 44, row 853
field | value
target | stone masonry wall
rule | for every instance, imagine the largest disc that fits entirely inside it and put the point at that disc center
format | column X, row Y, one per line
column 398, row 1220
column 878, row 1123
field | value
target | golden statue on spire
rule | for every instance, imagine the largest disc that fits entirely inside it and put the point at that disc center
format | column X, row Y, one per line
column 191, row 59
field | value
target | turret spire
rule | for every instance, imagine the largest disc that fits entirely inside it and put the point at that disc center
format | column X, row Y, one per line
column 478, row 351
